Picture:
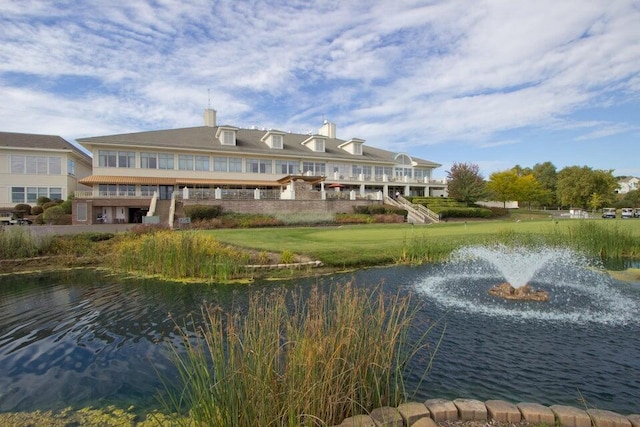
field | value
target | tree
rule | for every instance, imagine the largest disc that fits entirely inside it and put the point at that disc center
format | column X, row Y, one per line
column 465, row 183
column 528, row 190
column 545, row 173
column 502, row 185
column 577, row 185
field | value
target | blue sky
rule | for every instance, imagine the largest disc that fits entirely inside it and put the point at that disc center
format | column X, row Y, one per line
column 496, row 83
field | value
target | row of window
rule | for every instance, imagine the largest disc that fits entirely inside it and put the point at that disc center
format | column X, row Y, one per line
column 30, row 194
column 126, row 159
column 39, row 165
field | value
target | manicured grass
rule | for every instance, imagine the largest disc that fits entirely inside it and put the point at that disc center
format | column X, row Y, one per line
column 358, row 245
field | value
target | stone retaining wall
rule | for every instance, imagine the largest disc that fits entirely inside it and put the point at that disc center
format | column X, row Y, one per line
column 434, row 411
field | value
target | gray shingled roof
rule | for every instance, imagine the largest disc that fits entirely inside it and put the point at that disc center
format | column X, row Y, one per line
column 33, row 141
column 247, row 142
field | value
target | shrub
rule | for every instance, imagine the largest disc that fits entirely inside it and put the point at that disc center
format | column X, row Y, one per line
column 36, row 210
column 66, row 205
column 42, row 200
column 287, row 257
column 22, row 209
column 344, row 218
column 55, row 215
column 49, row 205
column 202, row 212
column 388, row 219
column 466, row 213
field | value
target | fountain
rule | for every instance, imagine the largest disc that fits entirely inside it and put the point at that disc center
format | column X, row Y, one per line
column 573, row 289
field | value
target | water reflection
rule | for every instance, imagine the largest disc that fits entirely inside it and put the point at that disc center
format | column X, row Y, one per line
column 86, row 338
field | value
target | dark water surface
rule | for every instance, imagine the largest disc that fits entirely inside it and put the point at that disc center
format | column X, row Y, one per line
column 86, row 338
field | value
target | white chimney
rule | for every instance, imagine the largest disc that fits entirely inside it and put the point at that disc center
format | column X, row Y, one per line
column 209, row 117
column 328, row 129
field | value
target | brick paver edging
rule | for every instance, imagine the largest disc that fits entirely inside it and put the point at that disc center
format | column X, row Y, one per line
column 434, row 411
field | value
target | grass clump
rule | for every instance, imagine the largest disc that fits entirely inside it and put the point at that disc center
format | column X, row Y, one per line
column 18, row 242
column 180, row 255
column 291, row 361
column 603, row 240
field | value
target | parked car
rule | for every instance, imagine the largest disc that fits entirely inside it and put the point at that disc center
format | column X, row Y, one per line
column 608, row 213
column 21, row 221
column 626, row 213
column 636, row 212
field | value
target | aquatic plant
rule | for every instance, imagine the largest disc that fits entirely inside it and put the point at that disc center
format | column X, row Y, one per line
column 180, row 255
column 19, row 242
column 290, row 360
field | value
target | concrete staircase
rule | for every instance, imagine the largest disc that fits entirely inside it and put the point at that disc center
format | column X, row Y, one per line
column 417, row 214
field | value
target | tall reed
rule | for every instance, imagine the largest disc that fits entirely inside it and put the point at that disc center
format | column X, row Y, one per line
column 291, row 361
column 180, row 255
column 602, row 239
column 19, row 242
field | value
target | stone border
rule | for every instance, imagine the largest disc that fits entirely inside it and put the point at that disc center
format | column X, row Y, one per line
column 434, row 411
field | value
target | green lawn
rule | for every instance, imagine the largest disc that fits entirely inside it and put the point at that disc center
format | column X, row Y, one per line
column 382, row 243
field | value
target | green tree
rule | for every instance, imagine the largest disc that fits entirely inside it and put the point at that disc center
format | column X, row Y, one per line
column 502, row 185
column 547, row 176
column 577, row 185
column 465, row 183
column 529, row 190
column 596, row 202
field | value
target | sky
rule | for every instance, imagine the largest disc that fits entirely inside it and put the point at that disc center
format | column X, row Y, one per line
column 497, row 83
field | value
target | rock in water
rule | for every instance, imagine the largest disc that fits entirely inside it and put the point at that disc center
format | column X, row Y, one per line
column 523, row 293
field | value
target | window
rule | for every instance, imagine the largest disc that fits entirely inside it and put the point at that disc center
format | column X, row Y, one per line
column 357, row 149
column 55, row 166
column 220, row 164
column 34, row 192
column 185, row 162
column 276, row 141
column 36, row 165
column 202, row 163
column 235, row 164
column 107, row 159
column 149, row 160
column 287, row 167
column 147, row 190
column 17, row 194
column 108, row 189
column 55, row 193
column 81, row 211
column 228, row 137
column 366, row 171
column 318, row 145
column 165, row 161
column 17, row 164
column 317, row 169
column 71, row 167
column 259, row 166
column 126, row 190
column 126, row 159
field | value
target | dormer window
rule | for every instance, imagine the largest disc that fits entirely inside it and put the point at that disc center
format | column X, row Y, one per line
column 274, row 139
column 315, row 143
column 353, row 146
column 227, row 135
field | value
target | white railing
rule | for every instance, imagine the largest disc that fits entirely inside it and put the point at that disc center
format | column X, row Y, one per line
column 172, row 209
column 153, row 204
column 110, row 195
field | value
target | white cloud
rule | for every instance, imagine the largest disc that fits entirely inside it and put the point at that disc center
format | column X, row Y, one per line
column 399, row 74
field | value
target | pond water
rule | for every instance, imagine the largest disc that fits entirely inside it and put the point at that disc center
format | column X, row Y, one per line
column 87, row 338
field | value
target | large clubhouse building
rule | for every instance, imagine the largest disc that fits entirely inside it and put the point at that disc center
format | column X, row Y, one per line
column 134, row 173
